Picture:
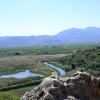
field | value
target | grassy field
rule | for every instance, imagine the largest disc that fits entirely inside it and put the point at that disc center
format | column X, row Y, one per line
column 15, row 64
column 14, row 60
column 21, row 91
column 17, row 92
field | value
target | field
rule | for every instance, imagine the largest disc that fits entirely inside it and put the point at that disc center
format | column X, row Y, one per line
column 13, row 60
column 13, row 64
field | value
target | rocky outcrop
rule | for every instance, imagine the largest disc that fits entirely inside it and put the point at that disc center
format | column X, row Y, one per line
column 81, row 86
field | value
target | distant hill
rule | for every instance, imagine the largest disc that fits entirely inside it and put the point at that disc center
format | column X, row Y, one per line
column 74, row 35
column 69, row 36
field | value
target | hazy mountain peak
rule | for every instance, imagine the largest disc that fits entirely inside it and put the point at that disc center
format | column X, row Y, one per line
column 69, row 36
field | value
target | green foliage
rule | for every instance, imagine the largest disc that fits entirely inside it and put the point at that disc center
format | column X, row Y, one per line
column 42, row 50
column 27, row 84
column 20, row 81
column 88, row 60
column 8, row 96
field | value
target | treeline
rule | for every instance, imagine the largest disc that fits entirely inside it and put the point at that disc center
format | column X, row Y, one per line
column 41, row 50
column 35, row 50
column 88, row 60
column 7, row 88
column 25, row 80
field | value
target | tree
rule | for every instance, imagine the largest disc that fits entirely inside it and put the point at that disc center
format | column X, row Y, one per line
column 73, row 66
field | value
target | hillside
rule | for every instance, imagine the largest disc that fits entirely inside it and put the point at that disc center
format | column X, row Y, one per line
column 69, row 36
column 74, row 35
column 88, row 60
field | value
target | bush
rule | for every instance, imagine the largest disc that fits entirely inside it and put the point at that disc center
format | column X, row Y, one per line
column 73, row 66
column 17, row 53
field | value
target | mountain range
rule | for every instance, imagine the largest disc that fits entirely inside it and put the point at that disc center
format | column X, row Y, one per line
column 69, row 36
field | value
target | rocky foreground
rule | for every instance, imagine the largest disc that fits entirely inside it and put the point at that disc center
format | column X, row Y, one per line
column 81, row 86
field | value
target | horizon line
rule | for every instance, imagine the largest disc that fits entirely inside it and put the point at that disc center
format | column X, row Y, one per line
column 50, row 34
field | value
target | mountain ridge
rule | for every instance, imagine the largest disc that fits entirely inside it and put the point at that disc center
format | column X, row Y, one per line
column 69, row 36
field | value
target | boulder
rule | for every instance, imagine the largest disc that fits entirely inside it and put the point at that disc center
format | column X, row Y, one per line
column 82, row 86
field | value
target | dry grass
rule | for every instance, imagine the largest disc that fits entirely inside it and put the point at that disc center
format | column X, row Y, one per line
column 15, row 64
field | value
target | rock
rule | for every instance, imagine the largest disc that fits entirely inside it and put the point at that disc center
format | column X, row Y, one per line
column 81, row 86
column 71, row 98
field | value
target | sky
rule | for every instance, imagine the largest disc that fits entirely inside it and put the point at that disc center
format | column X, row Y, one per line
column 46, row 17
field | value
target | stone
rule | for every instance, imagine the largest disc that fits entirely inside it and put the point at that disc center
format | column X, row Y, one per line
column 82, row 86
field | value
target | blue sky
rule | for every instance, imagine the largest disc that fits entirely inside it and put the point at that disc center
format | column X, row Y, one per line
column 38, row 17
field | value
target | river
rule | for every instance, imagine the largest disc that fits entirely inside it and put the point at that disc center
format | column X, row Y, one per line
column 60, row 70
column 27, row 73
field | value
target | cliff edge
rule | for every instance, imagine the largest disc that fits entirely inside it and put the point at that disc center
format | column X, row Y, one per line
column 81, row 86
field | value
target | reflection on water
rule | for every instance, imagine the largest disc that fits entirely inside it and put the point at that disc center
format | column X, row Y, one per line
column 60, row 70
column 21, row 75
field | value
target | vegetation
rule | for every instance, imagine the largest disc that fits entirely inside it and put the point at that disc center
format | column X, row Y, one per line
column 5, row 82
column 88, row 60
column 8, row 96
column 20, row 91
column 63, row 49
column 12, row 87
column 19, row 59
column 13, row 64
column 9, row 65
